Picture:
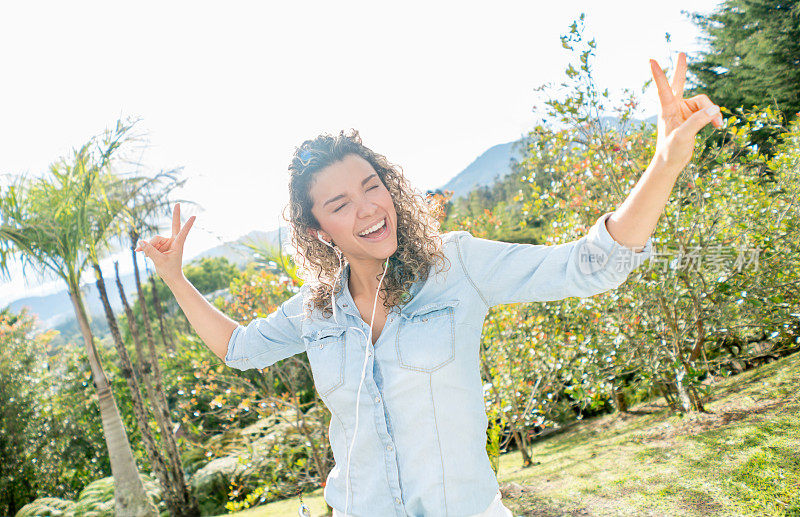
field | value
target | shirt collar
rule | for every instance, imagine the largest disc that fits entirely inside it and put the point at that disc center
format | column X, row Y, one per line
column 345, row 300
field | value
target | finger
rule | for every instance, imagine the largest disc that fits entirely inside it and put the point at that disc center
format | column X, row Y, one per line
column 139, row 245
column 679, row 77
column 176, row 219
column 159, row 242
column 664, row 90
column 181, row 238
column 148, row 249
column 168, row 243
column 699, row 119
column 699, row 102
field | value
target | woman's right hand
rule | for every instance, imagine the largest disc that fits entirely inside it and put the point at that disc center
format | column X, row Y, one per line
column 167, row 253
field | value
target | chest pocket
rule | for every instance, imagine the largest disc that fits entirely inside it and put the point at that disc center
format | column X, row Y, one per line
column 426, row 338
column 326, row 353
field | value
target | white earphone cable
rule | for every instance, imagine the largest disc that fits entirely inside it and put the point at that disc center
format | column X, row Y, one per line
column 366, row 360
column 358, row 393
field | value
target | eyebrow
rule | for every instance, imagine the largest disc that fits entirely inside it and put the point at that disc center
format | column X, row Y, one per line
column 363, row 182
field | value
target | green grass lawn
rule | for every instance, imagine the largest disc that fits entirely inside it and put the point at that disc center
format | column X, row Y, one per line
column 742, row 457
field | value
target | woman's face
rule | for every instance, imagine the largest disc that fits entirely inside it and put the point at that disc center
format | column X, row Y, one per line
column 349, row 198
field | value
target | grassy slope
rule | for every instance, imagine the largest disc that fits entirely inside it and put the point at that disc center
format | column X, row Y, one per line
column 740, row 458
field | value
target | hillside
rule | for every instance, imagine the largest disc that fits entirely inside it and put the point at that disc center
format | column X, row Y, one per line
column 740, row 458
column 492, row 165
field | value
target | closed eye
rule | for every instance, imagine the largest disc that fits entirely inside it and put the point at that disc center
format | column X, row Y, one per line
column 343, row 204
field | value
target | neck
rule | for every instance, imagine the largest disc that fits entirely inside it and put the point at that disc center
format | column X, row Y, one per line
column 365, row 277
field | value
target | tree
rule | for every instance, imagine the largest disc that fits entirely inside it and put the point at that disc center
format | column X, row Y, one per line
column 122, row 202
column 754, row 55
column 23, row 418
column 44, row 223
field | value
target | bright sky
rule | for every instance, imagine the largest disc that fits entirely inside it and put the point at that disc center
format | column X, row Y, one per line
column 227, row 90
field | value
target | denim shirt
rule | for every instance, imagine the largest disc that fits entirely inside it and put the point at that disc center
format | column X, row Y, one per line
column 420, row 449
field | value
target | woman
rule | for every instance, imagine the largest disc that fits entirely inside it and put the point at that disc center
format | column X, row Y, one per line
column 391, row 312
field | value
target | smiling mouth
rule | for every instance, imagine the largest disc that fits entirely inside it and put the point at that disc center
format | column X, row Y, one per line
column 378, row 234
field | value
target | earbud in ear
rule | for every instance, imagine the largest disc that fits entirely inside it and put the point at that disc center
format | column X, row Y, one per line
column 319, row 236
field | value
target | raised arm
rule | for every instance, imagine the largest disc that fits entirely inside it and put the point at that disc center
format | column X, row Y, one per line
column 679, row 121
column 504, row 272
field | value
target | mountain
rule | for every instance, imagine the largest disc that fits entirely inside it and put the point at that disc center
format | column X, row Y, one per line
column 496, row 162
column 492, row 165
column 237, row 252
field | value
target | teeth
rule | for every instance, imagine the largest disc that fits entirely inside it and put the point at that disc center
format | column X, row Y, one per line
column 370, row 230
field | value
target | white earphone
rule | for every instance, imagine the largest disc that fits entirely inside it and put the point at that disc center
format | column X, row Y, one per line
column 319, row 236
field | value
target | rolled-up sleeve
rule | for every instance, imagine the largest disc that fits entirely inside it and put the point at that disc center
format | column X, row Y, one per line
column 265, row 341
column 503, row 272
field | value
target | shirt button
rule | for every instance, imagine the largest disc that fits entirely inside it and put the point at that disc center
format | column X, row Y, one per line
column 377, row 399
column 389, row 447
column 397, row 500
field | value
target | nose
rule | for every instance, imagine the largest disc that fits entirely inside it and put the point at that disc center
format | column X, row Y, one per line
column 366, row 208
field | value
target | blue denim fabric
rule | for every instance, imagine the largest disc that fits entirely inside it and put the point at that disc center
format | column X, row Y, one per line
column 420, row 448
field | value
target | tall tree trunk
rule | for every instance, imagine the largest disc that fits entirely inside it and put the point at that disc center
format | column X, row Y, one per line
column 166, row 337
column 130, row 499
column 173, row 487
column 155, row 391
column 153, row 454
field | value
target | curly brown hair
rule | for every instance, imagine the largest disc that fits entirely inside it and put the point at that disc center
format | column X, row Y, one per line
column 419, row 243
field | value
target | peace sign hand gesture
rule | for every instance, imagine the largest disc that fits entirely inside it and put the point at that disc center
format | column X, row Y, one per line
column 167, row 254
column 680, row 119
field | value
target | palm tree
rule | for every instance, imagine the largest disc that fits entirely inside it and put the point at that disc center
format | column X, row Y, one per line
column 44, row 222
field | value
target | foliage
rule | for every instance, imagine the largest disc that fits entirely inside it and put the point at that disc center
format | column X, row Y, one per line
column 753, row 55
column 256, row 294
column 95, row 500
column 286, row 387
column 208, row 275
column 23, row 419
column 214, row 402
column 211, row 274
column 50, row 434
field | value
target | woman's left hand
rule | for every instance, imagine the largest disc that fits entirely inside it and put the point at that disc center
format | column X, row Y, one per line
column 680, row 119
